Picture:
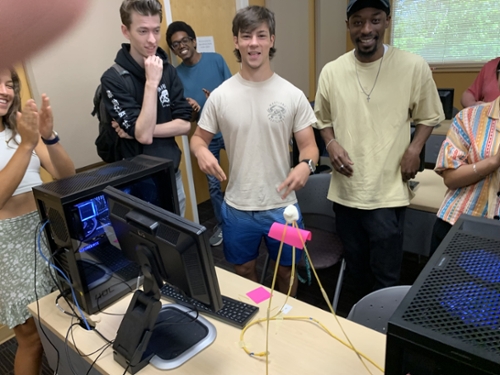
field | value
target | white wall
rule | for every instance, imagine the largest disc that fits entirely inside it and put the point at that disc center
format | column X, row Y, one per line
column 69, row 73
column 292, row 37
column 292, row 41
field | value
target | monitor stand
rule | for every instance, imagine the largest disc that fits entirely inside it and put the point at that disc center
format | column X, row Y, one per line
column 165, row 336
column 179, row 335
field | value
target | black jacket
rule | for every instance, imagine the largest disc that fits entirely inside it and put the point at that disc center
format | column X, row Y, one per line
column 125, row 106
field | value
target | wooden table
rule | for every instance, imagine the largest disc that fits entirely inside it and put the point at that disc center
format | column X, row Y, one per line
column 421, row 214
column 296, row 347
column 429, row 193
column 442, row 128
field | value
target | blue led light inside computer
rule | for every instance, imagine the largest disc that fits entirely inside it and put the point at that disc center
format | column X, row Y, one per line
column 88, row 247
column 481, row 264
column 476, row 303
column 86, row 210
column 92, row 216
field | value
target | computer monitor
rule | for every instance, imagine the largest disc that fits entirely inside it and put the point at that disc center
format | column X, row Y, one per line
column 179, row 246
column 446, row 96
column 169, row 249
column 80, row 238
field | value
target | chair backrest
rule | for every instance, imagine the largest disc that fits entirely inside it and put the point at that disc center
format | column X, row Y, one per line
column 325, row 248
column 316, row 209
column 375, row 309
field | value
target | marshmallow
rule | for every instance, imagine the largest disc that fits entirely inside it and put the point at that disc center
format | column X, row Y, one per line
column 291, row 214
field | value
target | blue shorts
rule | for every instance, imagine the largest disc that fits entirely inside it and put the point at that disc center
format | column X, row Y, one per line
column 244, row 230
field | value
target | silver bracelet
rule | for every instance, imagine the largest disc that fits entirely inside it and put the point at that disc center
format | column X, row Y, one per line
column 328, row 144
column 474, row 168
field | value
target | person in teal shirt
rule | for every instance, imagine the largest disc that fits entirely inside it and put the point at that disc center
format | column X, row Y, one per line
column 200, row 74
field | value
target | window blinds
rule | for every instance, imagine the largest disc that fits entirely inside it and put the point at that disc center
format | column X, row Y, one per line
column 447, row 32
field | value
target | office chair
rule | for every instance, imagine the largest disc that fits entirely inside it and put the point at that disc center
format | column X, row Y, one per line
column 325, row 247
column 324, row 164
column 375, row 309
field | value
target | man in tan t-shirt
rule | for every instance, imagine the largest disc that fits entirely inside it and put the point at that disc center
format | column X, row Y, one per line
column 365, row 102
column 256, row 111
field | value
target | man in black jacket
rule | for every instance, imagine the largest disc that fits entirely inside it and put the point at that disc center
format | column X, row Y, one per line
column 149, row 118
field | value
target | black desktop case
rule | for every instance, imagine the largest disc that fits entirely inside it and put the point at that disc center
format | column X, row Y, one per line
column 54, row 201
column 449, row 322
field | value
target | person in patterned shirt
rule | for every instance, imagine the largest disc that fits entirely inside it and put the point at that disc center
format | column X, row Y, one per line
column 469, row 162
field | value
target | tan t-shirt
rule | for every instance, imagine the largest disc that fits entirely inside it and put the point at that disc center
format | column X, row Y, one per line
column 375, row 133
column 256, row 120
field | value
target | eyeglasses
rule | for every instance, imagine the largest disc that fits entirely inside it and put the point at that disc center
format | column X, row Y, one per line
column 184, row 41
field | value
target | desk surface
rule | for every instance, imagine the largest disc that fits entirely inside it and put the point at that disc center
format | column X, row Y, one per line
column 429, row 193
column 296, row 347
column 443, row 127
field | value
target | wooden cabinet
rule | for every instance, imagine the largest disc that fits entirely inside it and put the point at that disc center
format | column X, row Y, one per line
column 5, row 334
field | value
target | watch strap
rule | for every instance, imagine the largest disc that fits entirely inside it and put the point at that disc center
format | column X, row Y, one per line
column 310, row 164
column 52, row 141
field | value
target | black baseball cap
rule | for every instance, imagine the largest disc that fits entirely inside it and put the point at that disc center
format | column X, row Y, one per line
column 355, row 5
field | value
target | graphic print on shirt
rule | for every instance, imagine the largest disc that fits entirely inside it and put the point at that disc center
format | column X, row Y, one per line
column 276, row 112
column 164, row 98
column 116, row 107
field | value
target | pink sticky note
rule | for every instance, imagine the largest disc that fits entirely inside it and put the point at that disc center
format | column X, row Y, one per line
column 292, row 235
column 258, row 295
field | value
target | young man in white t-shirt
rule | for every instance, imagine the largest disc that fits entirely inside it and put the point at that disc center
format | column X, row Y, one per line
column 257, row 111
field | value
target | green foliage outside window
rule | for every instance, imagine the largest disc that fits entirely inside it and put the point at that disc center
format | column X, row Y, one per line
column 447, row 31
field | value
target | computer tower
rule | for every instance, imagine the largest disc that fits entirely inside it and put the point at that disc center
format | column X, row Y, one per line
column 449, row 322
column 79, row 234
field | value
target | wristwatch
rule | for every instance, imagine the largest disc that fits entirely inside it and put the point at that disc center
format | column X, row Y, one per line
column 52, row 141
column 310, row 164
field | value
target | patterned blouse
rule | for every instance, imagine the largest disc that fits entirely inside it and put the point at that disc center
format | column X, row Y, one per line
column 473, row 136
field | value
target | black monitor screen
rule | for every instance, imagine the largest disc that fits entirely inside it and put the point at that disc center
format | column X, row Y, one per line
column 180, row 247
column 446, row 96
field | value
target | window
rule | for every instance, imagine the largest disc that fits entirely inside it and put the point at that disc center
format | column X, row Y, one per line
column 452, row 33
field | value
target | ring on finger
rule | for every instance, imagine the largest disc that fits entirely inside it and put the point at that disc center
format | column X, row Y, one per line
column 342, row 166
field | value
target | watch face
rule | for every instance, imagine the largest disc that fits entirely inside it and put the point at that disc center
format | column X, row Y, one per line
column 312, row 167
column 310, row 164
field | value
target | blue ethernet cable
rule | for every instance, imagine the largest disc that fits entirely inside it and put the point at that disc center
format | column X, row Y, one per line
column 62, row 274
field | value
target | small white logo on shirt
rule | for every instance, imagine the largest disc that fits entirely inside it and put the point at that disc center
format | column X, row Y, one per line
column 276, row 112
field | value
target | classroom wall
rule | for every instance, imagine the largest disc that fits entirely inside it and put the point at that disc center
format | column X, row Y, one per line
column 309, row 34
column 292, row 41
column 69, row 72
column 329, row 30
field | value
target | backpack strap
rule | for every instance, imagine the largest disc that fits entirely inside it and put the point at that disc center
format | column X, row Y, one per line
column 126, row 77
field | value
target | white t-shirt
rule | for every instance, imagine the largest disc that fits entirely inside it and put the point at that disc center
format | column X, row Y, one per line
column 375, row 133
column 32, row 176
column 256, row 120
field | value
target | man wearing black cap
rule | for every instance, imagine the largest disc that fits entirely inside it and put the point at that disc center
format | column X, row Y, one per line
column 365, row 102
